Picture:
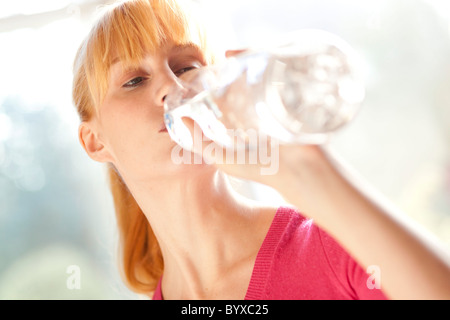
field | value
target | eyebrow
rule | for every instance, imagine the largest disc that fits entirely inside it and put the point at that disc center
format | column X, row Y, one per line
column 189, row 46
column 186, row 46
column 114, row 61
column 175, row 49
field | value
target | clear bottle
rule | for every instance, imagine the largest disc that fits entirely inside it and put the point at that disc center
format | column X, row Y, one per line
column 297, row 92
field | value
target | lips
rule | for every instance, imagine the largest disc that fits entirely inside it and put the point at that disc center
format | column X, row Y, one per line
column 163, row 128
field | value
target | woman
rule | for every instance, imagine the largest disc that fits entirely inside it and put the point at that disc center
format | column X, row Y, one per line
column 185, row 233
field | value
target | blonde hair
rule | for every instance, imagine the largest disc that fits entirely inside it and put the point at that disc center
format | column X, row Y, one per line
column 130, row 30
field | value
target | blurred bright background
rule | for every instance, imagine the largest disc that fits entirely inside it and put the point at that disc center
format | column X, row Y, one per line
column 55, row 206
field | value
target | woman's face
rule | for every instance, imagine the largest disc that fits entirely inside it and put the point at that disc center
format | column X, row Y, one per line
column 131, row 118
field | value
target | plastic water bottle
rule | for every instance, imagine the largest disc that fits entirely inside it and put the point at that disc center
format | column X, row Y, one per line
column 298, row 92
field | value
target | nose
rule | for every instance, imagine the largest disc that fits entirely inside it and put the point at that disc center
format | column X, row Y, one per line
column 166, row 81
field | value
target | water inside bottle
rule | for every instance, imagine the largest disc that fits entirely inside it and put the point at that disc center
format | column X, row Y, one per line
column 297, row 93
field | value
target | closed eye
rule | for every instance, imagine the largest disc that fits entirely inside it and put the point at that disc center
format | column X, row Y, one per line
column 184, row 70
column 134, row 82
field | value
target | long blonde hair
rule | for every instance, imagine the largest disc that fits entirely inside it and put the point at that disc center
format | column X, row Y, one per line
column 130, row 30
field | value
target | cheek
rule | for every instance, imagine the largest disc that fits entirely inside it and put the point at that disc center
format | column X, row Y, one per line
column 139, row 149
column 136, row 138
column 138, row 146
column 130, row 124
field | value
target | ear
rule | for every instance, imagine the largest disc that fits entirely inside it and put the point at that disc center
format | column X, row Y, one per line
column 93, row 146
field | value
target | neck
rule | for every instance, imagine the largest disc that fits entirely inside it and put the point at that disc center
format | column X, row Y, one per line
column 201, row 225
